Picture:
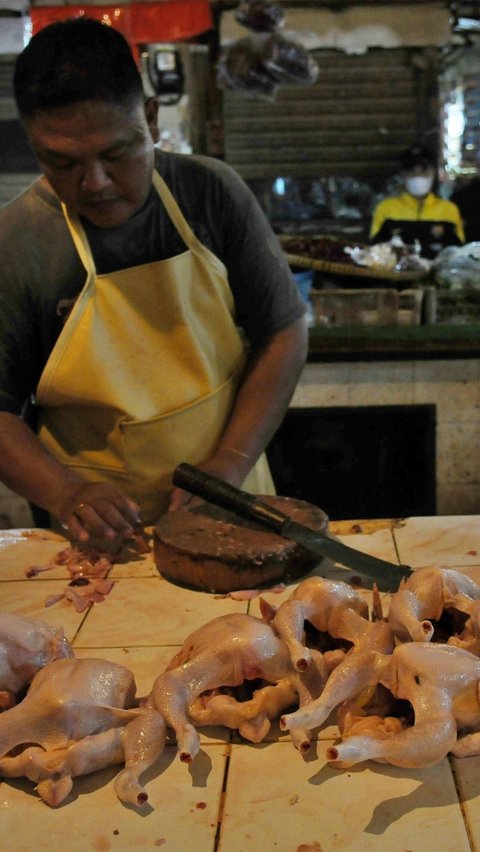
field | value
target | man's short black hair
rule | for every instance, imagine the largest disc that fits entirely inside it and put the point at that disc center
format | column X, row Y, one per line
column 75, row 60
column 417, row 155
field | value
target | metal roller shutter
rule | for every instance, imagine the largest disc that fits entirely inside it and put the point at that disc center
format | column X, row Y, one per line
column 362, row 112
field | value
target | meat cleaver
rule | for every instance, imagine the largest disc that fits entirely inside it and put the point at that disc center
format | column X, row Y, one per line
column 249, row 506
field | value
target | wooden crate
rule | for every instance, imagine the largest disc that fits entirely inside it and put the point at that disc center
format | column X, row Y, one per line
column 378, row 306
column 452, row 306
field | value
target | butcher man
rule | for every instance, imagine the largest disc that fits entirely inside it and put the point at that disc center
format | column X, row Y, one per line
column 147, row 315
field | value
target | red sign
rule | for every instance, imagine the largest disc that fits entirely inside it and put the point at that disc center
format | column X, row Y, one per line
column 140, row 23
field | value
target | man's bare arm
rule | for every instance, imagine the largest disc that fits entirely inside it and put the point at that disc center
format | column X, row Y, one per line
column 262, row 400
column 28, row 469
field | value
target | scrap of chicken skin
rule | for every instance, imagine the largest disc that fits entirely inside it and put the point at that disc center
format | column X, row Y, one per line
column 224, row 652
column 332, row 607
column 70, row 711
column 26, row 645
column 441, row 683
column 424, row 596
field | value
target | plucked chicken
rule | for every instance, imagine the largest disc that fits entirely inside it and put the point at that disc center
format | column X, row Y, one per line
column 424, row 597
column 26, row 645
column 333, row 608
column 225, row 652
column 79, row 716
column 442, row 684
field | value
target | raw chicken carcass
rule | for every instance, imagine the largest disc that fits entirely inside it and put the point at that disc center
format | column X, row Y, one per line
column 333, row 608
column 79, row 716
column 26, row 645
column 423, row 598
column 225, row 652
column 442, row 684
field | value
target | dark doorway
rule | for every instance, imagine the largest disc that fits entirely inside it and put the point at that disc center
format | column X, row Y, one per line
column 366, row 462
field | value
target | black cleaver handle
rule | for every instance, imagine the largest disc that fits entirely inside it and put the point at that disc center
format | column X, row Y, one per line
column 226, row 496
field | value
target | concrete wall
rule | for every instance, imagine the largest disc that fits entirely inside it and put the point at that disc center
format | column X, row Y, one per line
column 453, row 386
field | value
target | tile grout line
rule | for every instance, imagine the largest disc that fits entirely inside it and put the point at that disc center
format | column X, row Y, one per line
column 461, row 804
column 221, row 804
column 395, row 544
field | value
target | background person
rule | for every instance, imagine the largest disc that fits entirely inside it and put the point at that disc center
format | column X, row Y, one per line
column 145, row 303
column 417, row 213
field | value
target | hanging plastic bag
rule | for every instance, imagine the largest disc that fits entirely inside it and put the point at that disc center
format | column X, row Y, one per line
column 256, row 65
column 240, row 69
column 260, row 15
column 288, row 62
column 456, row 267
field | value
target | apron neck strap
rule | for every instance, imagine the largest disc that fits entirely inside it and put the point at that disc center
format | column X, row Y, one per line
column 174, row 212
column 80, row 240
column 82, row 245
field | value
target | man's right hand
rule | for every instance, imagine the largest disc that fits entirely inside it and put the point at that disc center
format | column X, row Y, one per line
column 100, row 510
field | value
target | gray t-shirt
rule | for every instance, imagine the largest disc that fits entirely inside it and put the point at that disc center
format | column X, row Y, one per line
column 42, row 273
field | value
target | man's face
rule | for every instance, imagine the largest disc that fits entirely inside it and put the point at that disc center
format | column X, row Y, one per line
column 97, row 156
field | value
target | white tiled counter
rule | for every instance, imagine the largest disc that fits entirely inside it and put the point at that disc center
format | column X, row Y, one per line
column 235, row 797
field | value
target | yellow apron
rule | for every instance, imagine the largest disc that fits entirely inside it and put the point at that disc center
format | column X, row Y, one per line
column 144, row 373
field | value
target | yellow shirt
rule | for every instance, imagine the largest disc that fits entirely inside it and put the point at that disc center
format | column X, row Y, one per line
column 434, row 221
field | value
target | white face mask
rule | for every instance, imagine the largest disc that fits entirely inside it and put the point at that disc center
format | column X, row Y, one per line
column 419, row 185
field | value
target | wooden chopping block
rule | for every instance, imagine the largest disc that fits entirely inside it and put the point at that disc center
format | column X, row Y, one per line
column 211, row 549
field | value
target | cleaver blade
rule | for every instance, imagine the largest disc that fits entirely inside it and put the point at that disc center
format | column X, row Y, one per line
column 249, row 506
